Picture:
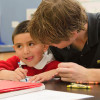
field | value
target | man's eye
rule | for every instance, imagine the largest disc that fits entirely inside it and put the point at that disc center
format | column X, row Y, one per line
column 31, row 44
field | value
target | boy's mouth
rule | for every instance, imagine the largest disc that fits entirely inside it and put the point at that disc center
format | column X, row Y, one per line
column 29, row 58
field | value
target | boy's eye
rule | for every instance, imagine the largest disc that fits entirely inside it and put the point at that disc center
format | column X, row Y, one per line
column 19, row 46
column 31, row 44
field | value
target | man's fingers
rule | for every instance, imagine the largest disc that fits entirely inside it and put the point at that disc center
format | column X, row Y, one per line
column 66, row 75
column 64, row 70
column 67, row 80
column 66, row 65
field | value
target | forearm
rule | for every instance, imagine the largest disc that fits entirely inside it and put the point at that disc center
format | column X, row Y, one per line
column 4, row 75
column 45, row 76
column 52, row 72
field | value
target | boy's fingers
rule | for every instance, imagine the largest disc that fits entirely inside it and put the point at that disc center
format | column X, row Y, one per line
column 24, row 71
column 18, row 77
column 32, row 79
column 35, row 79
column 21, row 72
column 42, row 80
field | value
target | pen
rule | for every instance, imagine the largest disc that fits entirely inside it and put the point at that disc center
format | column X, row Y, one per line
column 78, row 86
column 21, row 67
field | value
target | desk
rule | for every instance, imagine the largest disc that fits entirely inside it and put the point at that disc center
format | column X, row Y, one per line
column 6, row 55
column 61, row 86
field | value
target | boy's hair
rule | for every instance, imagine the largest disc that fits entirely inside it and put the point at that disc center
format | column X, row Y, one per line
column 21, row 28
column 54, row 20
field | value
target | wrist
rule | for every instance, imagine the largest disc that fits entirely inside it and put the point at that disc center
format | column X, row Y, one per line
column 4, row 75
column 94, row 75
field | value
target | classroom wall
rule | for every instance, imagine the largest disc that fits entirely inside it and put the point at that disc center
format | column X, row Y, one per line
column 13, row 11
column 91, row 5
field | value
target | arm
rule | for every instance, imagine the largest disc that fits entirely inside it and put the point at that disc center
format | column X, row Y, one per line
column 72, row 72
column 9, row 64
column 45, row 76
column 49, row 72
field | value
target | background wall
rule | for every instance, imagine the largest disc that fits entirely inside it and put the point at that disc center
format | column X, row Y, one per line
column 12, row 12
column 91, row 5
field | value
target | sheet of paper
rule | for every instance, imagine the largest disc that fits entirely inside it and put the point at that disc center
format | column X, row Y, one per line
column 49, row 95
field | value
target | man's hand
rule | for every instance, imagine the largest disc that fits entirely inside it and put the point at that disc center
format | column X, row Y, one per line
column 72, row 72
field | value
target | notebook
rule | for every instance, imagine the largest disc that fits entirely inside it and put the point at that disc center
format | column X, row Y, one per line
column 12, row 88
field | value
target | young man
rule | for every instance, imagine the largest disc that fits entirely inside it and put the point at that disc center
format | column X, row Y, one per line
column 74, row 37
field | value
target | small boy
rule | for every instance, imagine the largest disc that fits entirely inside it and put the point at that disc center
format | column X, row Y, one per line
column 33, row 57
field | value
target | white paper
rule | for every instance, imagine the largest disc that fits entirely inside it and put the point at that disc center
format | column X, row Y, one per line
column 49, row 95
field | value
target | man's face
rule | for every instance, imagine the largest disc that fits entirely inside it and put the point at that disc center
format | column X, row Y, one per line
column 64, row 44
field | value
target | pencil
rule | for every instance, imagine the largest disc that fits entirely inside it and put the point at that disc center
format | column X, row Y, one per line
column 21, row 67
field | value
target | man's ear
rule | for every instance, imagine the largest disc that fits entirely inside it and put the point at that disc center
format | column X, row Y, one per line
column 46, row 47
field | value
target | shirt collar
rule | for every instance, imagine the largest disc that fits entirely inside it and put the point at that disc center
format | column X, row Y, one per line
column 47, row 57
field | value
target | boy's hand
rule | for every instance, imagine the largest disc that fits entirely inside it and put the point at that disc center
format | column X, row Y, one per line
column 21, row 73
column 16, row 75
column 45, row 76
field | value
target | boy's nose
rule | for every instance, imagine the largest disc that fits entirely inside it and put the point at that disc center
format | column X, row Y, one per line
column 26, row 50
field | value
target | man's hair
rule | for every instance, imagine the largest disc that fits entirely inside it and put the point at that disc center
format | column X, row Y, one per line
column 55, row 20
column 20, row 29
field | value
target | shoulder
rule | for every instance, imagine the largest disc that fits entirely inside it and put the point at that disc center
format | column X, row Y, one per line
column 93, row 16
column 53, row 64
column 13, row 58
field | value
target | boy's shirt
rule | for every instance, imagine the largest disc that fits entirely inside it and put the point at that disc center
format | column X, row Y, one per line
column 12, row 64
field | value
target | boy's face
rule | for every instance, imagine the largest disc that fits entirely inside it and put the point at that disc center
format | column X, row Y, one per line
column 28, row 52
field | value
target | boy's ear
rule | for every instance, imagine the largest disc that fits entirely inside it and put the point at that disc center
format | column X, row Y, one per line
column 13, row 47
column 46, row 47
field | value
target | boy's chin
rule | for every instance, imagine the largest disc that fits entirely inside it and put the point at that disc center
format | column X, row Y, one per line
column 30, row 65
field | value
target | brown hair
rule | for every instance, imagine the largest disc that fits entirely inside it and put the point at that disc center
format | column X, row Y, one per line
column 54, row 20
column 20, row 29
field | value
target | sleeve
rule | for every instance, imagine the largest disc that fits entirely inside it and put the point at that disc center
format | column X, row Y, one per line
column 51, row 65
column 9, row 64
